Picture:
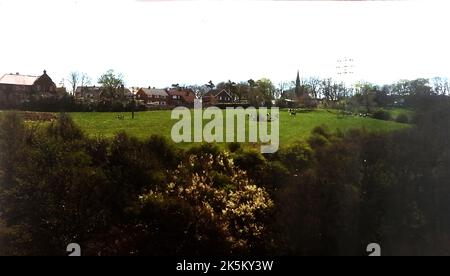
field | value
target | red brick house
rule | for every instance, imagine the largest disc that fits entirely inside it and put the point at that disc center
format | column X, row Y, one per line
column 152, row 97
column 16, row 89
column 218, row 97
column 181, row 97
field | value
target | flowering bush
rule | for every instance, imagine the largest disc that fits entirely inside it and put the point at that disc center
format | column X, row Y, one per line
column 213, row 185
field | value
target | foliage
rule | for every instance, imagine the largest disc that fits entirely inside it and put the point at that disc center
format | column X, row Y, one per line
column 213, row 185
column 402, row 118
column 330, row 194
column 382, row 115
column 111, row 80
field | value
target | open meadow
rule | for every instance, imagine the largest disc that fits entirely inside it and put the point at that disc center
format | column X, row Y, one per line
column 292, row 128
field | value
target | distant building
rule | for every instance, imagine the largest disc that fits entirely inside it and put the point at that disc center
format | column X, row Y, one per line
column 215, row 97
column 95, row 94
column 152, row 97
column 181, row 97
column 89, row 94
column 16, row 89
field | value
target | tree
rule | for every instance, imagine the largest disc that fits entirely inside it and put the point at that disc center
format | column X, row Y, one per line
column 252, row 83
column 328, row 89
column 111, row 80
column 78, row 79
column 402, row 88
column 261, row 92
column 313, row 84
column 74, row 79
column 266, row 87
column 440, row 86
column 365, row 99
column 420, row 87
column 210, row 85
column 85, row 79
column 283, row 87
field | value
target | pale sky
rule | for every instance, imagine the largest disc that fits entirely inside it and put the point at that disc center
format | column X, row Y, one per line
column 157, row 43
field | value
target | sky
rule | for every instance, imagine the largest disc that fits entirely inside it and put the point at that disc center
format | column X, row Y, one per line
column 158, row 43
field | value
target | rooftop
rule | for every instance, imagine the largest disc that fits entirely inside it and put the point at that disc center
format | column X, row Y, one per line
column 156, row 92
column 18, row 79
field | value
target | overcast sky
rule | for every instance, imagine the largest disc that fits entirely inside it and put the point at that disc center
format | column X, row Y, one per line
column 158, row 43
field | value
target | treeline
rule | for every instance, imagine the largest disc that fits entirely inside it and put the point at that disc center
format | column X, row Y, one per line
column 330, row 195
column 363, row 96
column 310, row 93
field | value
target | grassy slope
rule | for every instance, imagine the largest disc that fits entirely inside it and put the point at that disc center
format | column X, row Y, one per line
column 159, row 122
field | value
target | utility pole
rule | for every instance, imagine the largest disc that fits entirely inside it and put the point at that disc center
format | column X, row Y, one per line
column 345, row 69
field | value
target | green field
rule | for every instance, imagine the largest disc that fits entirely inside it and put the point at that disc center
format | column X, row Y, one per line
column 292, row 129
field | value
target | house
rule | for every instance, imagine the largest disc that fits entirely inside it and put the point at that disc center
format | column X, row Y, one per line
column 152, row 97
column 181, row 97
column 95, row 94
column 127, row 93
column 215, row 97
column 16, row 89
column 89, row 94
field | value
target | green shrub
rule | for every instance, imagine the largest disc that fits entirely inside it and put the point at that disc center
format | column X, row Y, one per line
column 382, row 115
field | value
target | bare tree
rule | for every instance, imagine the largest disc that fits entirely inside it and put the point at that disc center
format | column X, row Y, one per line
column 314, row 86
column 78, row 79
column 74, row 80
column 283, row 87
column 327, row 89
column 85, row 80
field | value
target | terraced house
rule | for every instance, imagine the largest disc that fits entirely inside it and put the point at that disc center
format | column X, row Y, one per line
column 16, row 89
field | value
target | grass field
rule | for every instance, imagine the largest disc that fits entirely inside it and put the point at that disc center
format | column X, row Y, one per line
column 292, row 129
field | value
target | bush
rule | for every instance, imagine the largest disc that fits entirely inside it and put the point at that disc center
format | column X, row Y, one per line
column 234, row 147
column 382, row 115
column 215, row 187
column 402, row 118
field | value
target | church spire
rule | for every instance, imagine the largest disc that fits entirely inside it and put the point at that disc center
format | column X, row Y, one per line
column 298, row 84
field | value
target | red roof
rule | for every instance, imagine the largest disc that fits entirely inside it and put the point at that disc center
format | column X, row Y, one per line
column 187, row 94
column 17, row 79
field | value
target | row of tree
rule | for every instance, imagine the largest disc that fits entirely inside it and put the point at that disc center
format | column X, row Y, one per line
column 317, row 88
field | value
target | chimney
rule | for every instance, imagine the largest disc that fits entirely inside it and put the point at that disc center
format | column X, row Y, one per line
column 45, row 72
